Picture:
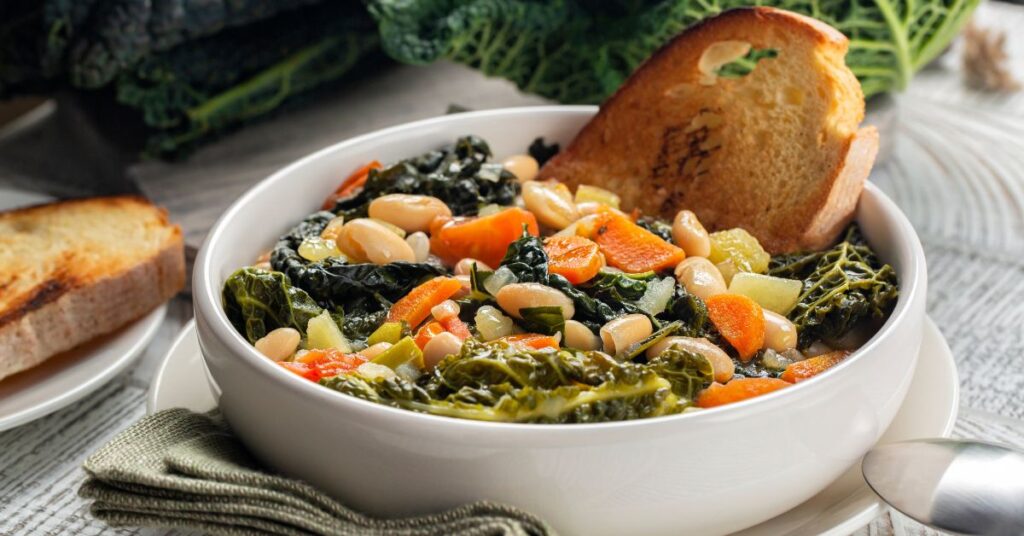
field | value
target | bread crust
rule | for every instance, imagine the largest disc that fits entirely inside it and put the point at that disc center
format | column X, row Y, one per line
column 641, row 141
column 72, row 308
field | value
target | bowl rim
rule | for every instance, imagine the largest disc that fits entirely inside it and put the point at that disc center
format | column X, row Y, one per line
column 207, row 303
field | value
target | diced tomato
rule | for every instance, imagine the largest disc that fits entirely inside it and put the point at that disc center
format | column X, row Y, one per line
column 310, row 372
column 457, row 327
column 316, row 364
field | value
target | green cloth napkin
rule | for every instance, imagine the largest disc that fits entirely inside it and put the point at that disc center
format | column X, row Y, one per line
column 180, row 469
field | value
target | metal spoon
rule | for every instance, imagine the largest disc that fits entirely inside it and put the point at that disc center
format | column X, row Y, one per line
column 967, row 487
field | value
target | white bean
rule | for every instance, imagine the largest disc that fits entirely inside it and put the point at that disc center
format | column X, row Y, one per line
column 516, row 296
column 445, row 309
column 779, row 333
column 523, row 166
column 420, row 244
column 619, row 334
column 366, row 240
column 371, row 352
column 467, row 287
column 439, row 347
column 700, row 277
column 722, row 364
column 410, row 212
column 689, row 234
column 279, row 344
column 464, row 266
column 551, row 202
column 580, row 337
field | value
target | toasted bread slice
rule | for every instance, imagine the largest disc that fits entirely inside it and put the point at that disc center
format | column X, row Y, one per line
column 73, row 270
column 778, row 152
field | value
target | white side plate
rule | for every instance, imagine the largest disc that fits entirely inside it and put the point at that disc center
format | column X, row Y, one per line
column 929, row 410
column 70, row 376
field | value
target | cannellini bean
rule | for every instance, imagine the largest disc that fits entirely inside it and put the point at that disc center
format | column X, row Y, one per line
column 580, row 337
column 779, row 333
column 420, row 244
column 523, row 166
column 279, row 344
column 375, row 350
column 366, row 240
column 445, row 309
column 619, row 334
column 333, row 228
column 464, row 266
column 410, row 212
column 722, row 364
column 689, row 234
column 551, row 202
column 700, row 277
column 439, row 347
column 516, row 296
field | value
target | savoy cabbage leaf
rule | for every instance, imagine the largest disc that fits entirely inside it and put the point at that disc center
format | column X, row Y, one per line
column 581, row 51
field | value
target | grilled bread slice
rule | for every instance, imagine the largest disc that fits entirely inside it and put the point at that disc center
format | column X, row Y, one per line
column 74, row 270
column 777, row 151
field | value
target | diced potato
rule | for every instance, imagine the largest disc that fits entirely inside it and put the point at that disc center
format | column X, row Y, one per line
column 323, row 333
column 773, row 293
column 593, row 194
column 316, row 249
column 739, row 248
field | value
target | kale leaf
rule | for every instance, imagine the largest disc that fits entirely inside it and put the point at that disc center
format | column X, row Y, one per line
column 688, row 372
column 542, row 152
column 841, row 287
column 259, row 301
column 657, row 226
column 459, row 174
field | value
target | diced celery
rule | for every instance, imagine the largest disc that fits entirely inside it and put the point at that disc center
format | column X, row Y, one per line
column 402, row 352
column 317, row 249
column 323, row 333
column 773, row 293
column 390, row 332
column 593, row 194
column 739, row 248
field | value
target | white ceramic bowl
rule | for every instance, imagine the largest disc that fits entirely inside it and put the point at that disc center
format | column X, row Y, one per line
column 707, row 472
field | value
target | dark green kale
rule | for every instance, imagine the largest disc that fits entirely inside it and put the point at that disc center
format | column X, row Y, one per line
column 459, row 174
column 364, row 291
column 546, row 320
column 691, row 311
column 258, row 302
column 542, row 152
column 527, row 260
column 841, row 287
column 657, row 226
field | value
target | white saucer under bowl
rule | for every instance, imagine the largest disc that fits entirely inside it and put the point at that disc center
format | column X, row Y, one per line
column 929, row 410
column 70, row 376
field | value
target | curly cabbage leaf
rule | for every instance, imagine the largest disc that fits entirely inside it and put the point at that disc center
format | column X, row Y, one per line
column 258, row 302
column 841, row 287
column 459, row 174
column 579, row 51
column 688, row 372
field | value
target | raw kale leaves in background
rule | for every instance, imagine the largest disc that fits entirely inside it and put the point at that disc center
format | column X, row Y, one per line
column 189, row 70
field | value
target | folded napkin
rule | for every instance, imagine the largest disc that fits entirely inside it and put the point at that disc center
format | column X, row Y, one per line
column 180, row 469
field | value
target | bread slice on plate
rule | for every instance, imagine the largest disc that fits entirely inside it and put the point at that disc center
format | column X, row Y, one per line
column 778, row 150
column 73, row 270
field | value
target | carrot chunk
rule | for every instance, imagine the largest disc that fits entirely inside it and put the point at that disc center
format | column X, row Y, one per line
column 415, row 307
column 811, row 367
column 736, row 390
column 740, row 320
column 631, row 248
column 457, row 327
column 485, row 238
column 573, row 257
column 530, row 341
column 356, row 180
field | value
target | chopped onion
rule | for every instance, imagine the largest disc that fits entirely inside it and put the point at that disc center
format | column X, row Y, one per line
column 655, row 299
column 501, row 277
column 488, row 210
column 492, row 323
